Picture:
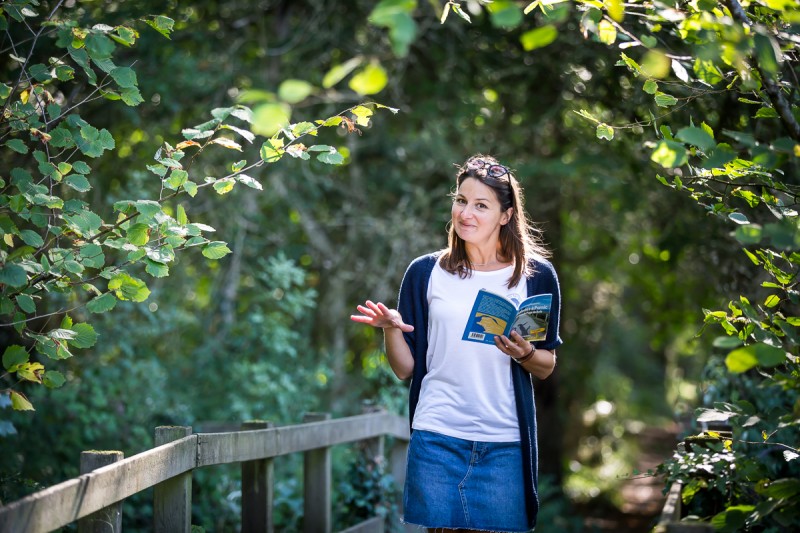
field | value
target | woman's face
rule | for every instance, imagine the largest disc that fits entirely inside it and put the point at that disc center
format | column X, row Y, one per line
column 477, row 214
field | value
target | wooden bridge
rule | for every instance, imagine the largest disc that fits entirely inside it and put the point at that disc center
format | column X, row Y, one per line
column 94, row 499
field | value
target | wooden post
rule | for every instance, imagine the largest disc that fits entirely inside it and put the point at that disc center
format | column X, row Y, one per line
column 317, row 516
column 257, row 489
column 397, row 464
column 172, row 499
column 108, row 519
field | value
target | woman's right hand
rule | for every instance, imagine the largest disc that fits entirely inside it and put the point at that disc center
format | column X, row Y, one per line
column 380, row 316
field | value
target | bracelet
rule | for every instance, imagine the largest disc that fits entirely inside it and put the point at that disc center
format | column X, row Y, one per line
column 525, row 357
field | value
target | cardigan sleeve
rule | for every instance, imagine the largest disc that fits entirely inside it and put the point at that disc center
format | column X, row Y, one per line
column 544, row 281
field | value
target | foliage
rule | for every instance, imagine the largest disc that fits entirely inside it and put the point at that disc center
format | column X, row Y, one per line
column 737, row 161
column 63, row 256
column 213, row 341
column 368, row 490
column 717, row 82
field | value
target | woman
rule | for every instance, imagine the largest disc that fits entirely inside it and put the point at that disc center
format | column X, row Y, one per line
column 472, row 462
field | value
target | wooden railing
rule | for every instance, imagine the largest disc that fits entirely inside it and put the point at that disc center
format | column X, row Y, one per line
column 94, row 498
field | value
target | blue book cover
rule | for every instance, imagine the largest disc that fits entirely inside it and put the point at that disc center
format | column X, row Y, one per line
column 493, row 314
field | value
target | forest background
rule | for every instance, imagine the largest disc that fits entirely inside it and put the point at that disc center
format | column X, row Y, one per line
column 649, row 159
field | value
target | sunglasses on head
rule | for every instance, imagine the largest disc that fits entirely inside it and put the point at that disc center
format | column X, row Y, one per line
column 493, row 170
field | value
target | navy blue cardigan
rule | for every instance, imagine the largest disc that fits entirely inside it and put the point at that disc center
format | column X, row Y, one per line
column 413, row 307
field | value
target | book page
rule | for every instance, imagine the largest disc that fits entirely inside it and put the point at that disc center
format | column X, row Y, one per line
column 490, row 316
column 533, row 317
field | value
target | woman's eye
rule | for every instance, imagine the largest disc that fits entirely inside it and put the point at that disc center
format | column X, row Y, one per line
column 482, row 206
column 460, row 201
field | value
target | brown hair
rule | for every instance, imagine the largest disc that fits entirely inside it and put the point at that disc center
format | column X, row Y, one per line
column 520, row 239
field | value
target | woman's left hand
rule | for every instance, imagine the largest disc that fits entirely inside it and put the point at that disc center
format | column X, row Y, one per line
column 515, row 346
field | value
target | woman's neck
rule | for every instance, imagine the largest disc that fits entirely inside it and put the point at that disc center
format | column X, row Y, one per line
column 487, row 260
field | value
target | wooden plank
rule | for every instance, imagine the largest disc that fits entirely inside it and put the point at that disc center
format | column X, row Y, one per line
column 66, row 502
column 222, row 448
column 372, row 525
column 671, row 512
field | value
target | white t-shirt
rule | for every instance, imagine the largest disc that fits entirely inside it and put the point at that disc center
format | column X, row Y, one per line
column 467, row 392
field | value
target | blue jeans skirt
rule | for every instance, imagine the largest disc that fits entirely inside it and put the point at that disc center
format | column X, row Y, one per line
column 453, row 483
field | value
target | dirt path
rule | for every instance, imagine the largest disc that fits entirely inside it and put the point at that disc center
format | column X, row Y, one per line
column 642, row 494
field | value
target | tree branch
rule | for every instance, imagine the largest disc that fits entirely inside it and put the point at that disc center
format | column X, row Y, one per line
column 775, row 95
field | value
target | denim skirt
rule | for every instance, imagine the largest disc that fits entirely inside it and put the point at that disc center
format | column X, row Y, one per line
column 460, row 484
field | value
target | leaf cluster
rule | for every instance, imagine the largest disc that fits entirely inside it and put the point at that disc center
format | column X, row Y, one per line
column 63, row 255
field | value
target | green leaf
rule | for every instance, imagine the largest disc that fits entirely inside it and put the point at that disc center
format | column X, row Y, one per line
column 17, row 145
column 176, row 178
column 720, row 156
column 31, row 238
column 727, row 343
column 767, row 51
column 331, row 158
column 181, row 217
column 86, row 336
column 714, row 415
column 138, row 234
column 604, row 131
column 93, row 142
column 269, row 118
column 65, row 73
column 504, row 14
column 538, row 37
column 99, row 46
column 124, row 76
column 26, row 303
column 19, row 402
column 85, row 222
column 156, row 269
column 748, row 234
column 371, row 79
column 272, row 150
column 191, row 188
column 78, row 182
column 766, row 112
column 250, row 182
column 92, row 256
column 650, row 87
column 248, row 136
column 340, row 72
column 294, row 91
column 81, row 167
column 665, row 100
column 303, row 128
column 148, row 208
column 14, row 355
column 131, row 96
column 760, row 354
column 696, row 137
column 102, row 304
column 162, row 25
column 126, row 287
column 53, row 379
column 782, row 489
column 216, row 250
column 739, row 218
column 224, row 185
column 13, row 276
column 669, row 154
column 606, row 32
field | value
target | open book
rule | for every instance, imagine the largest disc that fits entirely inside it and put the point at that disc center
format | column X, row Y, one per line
column 493, row 314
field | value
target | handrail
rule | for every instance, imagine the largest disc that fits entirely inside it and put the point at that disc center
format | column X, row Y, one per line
column 66, row 502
